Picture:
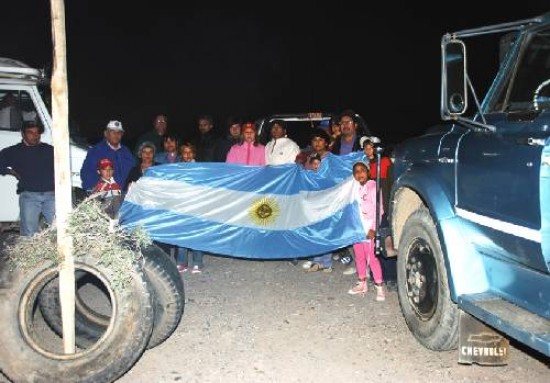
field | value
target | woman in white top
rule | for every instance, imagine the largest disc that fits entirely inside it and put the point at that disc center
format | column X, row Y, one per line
column 281, row 149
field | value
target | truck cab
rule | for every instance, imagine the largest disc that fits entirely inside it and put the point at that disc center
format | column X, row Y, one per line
column 21, row 99
column 470, row 208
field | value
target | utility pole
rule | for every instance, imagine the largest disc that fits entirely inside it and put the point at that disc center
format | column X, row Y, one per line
column 63, row 195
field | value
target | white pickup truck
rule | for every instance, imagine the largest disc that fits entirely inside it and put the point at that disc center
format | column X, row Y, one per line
column 21, row 90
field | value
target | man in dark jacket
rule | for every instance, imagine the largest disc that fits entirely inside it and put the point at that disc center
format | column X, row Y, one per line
column 232, row 137
column 206, row 140
column 155, row 135
column 32, row 163
column 112, row 148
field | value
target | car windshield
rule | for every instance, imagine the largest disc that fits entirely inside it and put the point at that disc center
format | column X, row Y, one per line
column 529, row 88
column 299, row 131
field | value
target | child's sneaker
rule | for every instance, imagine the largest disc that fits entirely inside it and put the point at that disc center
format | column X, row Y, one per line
column 196, row 269
column 360, row 287
column 380, row 293
column 345, row 260
column 307, row 264
column 182, row 268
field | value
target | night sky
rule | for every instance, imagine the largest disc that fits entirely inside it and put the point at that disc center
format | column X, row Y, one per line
column 128, row 61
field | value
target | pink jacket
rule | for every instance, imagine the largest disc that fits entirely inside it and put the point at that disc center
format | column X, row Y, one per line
column 246, row 154
column 366, row 196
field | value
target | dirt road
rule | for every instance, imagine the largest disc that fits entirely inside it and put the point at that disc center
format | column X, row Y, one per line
column 267, row 321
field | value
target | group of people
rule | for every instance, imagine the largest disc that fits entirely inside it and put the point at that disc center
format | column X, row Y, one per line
column 110, row 169
column 364, row 172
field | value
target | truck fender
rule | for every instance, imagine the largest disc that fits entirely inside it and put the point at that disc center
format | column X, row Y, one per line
column 419, row 187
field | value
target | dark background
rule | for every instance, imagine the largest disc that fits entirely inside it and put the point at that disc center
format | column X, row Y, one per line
column 130, row 60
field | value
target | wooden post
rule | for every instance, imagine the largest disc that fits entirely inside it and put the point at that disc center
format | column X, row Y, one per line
column 63, row 195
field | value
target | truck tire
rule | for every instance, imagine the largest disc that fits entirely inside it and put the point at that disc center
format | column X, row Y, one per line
column 167, row 290
column 423, row 288
column 30, row 353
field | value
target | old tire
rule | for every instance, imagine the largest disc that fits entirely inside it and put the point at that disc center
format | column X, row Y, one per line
column 423, row 287
column 30, row 353
column 168, row 293
column 168, row 301
column 90, row 322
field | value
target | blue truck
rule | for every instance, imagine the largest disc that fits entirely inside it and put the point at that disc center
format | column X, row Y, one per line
column 470, row 205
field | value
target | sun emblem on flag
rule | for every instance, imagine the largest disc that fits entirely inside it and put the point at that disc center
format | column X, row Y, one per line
column 264, row 211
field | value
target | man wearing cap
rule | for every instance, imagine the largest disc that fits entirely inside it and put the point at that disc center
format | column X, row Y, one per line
column 110, row 147
column 32, row 163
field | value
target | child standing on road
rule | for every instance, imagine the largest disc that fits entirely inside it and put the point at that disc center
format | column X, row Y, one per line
column 187, row 153
column 319, row 144
column 364, row 250
column 107, row 190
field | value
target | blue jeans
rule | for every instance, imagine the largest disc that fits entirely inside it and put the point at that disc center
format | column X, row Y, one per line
column 31, row 205
column 183, row 259
column 325, row 260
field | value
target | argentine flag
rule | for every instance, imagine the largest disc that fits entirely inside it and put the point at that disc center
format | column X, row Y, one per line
column 265, row 212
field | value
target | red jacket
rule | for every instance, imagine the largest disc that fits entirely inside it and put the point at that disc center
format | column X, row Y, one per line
column 385, row 164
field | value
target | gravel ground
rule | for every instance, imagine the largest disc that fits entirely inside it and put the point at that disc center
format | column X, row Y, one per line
column 268, row 321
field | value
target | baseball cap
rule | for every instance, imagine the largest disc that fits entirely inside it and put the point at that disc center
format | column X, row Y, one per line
column 104, row 163
column 115, row 125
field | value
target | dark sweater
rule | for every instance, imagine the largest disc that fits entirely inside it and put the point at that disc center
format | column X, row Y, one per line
column 33, row 164
column 205, row 144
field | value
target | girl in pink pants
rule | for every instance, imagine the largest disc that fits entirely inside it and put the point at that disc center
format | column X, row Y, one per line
column 364, row 250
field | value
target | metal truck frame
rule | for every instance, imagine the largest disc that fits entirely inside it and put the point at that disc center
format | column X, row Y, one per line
column 470, row 206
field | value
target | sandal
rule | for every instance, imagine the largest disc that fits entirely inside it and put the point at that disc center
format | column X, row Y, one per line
column 380, row 293
column 314, row 267
column 360, row 287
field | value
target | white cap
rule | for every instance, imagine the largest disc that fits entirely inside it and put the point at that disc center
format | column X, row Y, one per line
column 115, row 125
column 373, row 139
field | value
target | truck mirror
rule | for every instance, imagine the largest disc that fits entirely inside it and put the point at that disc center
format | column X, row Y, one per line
column 453, row 83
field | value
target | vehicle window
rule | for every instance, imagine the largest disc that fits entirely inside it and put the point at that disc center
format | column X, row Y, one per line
column 531, row 85
column 300, row 130
column 15, row 108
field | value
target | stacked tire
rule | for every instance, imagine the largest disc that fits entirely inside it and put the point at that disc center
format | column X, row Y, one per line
column 109, row 339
